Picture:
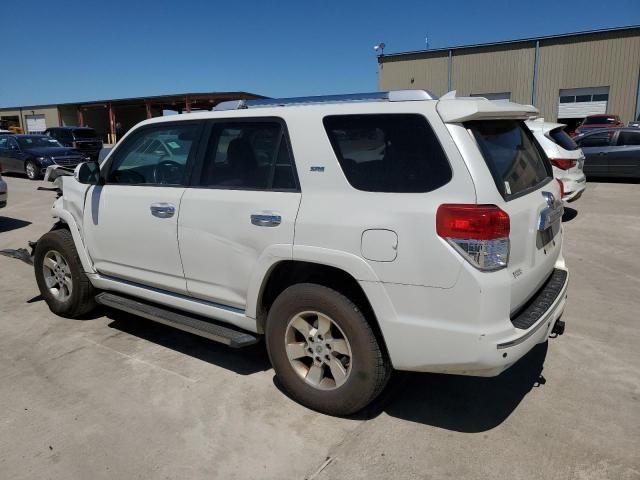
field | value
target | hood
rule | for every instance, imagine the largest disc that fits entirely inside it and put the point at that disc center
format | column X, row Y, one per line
column 53, row 151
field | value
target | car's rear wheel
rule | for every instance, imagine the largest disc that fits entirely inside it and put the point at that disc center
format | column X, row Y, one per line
column 323, row 350
column 60, row 277
column 31, row 169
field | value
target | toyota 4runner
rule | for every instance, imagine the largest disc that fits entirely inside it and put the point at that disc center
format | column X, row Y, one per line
column 356, row 234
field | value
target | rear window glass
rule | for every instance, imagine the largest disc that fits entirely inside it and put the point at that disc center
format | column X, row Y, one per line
column 396, row 153
column 600, row 139
column 563, row 139
column 85, row 133
column 516, row 163
column 603, row 120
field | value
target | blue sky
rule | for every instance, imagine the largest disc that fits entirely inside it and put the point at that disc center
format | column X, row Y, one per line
column 85, row 50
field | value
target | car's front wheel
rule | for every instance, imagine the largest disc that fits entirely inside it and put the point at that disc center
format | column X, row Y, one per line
column 60, row 277
column 323, row 350
column 31, row 169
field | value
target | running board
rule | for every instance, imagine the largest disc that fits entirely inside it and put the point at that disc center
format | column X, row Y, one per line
column 181, row 321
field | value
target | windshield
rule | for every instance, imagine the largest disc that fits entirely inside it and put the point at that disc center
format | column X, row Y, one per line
column 561, row 137
column 516, row 163
column 84, row 133
column 31, row 141
column 600, row 120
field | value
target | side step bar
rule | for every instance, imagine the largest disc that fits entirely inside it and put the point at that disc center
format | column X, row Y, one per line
column 181, row 321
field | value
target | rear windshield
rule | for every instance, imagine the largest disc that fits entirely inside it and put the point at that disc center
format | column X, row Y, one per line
column 515, row 161
column 396, row 153
column 84, row 133
column 600, row 121
column 563, row 139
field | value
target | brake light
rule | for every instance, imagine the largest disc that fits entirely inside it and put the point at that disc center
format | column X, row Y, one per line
column 563, row 163
column 561, row 187
column 480, row 233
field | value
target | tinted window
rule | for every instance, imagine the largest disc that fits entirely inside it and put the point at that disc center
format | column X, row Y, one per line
column 583, row 98
column 248, row 155
column 600, row 120
column 567, row 99
column 600, row 97
column 84, row 133
column 561, row 137
column 629, row 138
column 3, row 142
column 596, row 140
column 514, row 159
column 388, row 153
column 156, row 155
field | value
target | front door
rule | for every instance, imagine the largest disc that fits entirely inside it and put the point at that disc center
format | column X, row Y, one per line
column 241, row 210
column 624, row 160
column 131, row 222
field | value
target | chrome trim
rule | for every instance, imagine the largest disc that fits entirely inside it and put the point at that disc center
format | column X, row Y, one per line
column 266, row 220
column 551, row 214
column 162, row 210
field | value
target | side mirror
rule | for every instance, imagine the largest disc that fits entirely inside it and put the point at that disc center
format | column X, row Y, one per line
column 88, row 173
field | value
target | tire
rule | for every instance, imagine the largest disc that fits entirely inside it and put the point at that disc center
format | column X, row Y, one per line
column 367, row 368
column 73, row 301
column 32, row 171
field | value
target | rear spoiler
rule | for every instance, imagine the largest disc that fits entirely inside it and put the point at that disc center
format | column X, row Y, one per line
column 454, row 109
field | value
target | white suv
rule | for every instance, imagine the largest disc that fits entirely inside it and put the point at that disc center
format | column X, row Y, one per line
column 356, row 234
column 565, row 156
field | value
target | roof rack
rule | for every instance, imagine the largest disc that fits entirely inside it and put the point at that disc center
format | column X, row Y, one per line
column 391, row 96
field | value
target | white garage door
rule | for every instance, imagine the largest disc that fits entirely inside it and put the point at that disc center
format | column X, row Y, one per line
column 497, row 96
column 580, row 102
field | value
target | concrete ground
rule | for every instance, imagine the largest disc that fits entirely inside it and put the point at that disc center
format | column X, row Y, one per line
column 120, row 397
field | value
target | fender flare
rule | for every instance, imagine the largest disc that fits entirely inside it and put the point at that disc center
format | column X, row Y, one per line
column 351, row 264
column 65, row 217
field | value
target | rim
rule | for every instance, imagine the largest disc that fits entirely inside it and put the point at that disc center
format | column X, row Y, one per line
column 31, row 170
column 318, row 350
column 57, row 275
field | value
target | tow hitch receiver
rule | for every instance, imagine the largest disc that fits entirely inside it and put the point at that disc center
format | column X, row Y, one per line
column 558, row 328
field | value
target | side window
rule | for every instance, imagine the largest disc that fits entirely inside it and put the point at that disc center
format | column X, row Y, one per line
column 251, row 155
column 157, row 155
column 3, row 143
column 388, row 153
column 596, row 140
column 629, row 138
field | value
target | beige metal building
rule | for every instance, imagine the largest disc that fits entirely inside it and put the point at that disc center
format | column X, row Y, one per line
column 566, row 76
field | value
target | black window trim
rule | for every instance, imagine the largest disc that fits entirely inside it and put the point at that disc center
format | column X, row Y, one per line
column 336, row 150
column 198, row 166
column 498, row 181
column 105, row 168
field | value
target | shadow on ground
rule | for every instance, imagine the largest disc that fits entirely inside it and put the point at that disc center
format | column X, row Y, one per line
column 245, row 361
column 468, row 404
column 7, row 224
column 569, row 214
column 451, row 402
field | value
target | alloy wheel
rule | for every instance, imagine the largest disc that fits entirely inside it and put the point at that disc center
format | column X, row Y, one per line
column 318, row 350
column 57, row 276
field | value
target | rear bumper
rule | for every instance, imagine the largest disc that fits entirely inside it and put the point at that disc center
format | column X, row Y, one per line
column 448, row 331
column 574, row 187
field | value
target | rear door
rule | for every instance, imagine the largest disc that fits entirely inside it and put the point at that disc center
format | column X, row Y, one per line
column 624, row 160
column 241, row 208
column 531, row 197
column 596, row 148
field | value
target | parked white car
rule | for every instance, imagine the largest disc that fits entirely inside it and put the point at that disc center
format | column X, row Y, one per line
column 565, row 156
column 355, row 234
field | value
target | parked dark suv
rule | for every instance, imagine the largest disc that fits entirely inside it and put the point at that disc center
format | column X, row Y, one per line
column 83, row 139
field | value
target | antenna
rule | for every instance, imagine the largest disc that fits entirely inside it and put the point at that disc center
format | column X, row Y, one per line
column 379, row 48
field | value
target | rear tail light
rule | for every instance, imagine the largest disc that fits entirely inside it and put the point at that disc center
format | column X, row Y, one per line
column 561, row 187
column 564, row 163
column 480, row 233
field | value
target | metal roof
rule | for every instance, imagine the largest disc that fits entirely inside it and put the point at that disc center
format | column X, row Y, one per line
column 151, row 98
column 508, row 42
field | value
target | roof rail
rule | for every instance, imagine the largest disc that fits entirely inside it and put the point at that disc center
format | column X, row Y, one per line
column 391, row 96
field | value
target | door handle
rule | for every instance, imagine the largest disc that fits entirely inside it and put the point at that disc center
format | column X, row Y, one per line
column 266, row 220
column 162, row 210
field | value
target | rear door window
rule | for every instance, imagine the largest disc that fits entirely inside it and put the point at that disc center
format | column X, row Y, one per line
column 628, row 138
column 561, row 137
column 601, row 139
column 388, row 153
column 514, row 159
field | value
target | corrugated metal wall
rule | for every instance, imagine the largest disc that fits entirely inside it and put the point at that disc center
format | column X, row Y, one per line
column 590, row 60
column 599, row 60
column 496, row 69
column 428, row 72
